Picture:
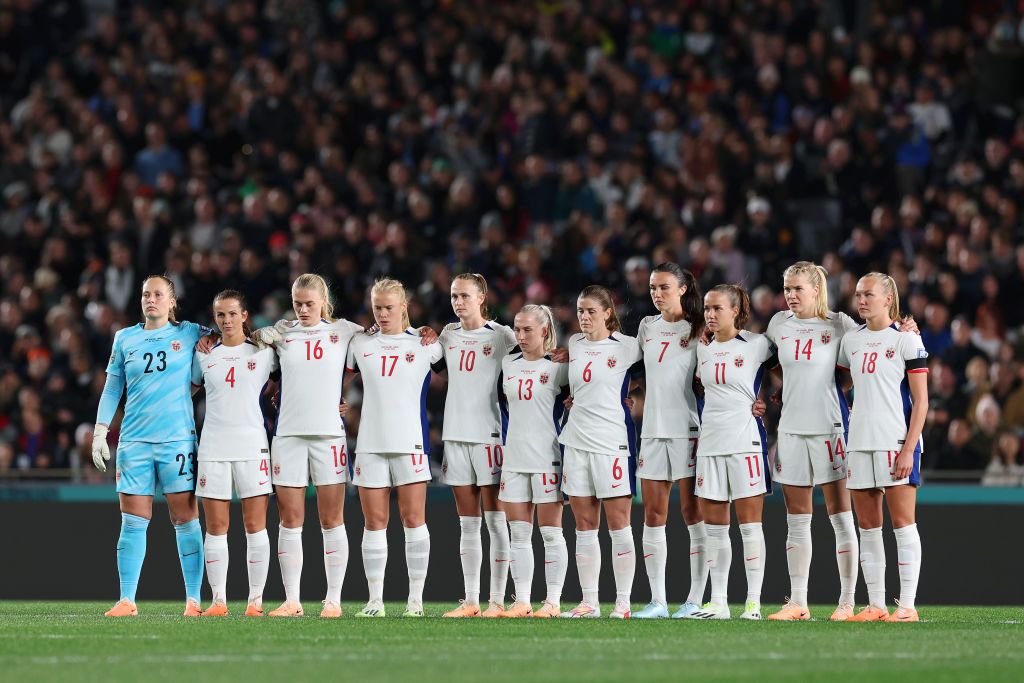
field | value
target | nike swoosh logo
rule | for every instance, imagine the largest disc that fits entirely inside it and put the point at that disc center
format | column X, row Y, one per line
column 420, row 470
column 792, row 547
column 550, row 561
column 647, row 339
column 752, row 558
column 497, row 561
column 703, row 362
column 210, row 365
column 648, row 555
column 550, row 490
column 696, row 552
column 495, row 472
column 194, row 552
column 330, row 552
column 367, row 355
column 754, row 483
column 281, row 552
column 783, row 337
column 288, row 341
column 615, row 486
column 262, row 483
column 904, row 564
column 339, row 471
column 628, row 552
column 836, row 468
column 255, row 561
column 211, row 561
column 853, row 353
column 842, row 552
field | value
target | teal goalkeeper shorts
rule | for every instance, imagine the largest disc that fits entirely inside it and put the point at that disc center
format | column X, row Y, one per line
column 141, row 465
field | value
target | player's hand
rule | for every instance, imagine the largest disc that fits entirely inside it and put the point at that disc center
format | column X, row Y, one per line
column 100, row 449
column 758, row 409
column 706, row 336
column 206, row 344
column 776, row 397
column 427, row 336
column 560, row 355
column 628, row 402
column 908, row 324
column 567, row 402
column 270, row 336
column 904, row 463
column 343, row 408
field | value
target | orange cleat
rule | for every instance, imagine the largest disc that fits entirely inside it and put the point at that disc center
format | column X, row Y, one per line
column 217, row 609
column 331, row 610
column 287, row 609
column 123, row 608
column 464, row 610
column 255, row 609
column 548, row 610
column 791, row 612
column 903, row 614
column 193, row 608
column 518, row 610
column 870, row 613
column 844, row 612
column 493, row 611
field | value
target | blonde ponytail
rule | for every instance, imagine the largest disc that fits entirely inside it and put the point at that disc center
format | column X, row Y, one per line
column 889, row 287
column 318, row 284
column 389, row 285
column 818, row 278
column 542, row 314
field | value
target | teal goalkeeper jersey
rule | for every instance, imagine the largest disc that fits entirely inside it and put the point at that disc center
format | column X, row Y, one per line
column 157, row 369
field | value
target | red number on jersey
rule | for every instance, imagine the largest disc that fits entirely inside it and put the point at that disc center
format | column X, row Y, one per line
column 313, row 350
column 263, row 467
column 528, row 394
column 867, row 363
column 616, row 470
column 230, row 377
column 837, row 451
column 664, row 348
column 754, row 464
column 719, row 373
column 553, row 481
column 806, row 351
column 340, row 457
column 586, row 372
column 467, row 359
column 384, row 371
column 414, row 459
column 495, row 457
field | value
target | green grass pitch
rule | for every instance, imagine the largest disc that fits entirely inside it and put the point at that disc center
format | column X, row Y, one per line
column 73, row 641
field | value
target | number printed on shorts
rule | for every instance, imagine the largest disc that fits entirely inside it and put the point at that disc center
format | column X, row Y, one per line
column 340, row 456
column 313, row 350
column 754, row 466
column 833, row 451
column 184, row 460
column 495, row 457
column 549, row 479
column 264, row 468
column 616, row 470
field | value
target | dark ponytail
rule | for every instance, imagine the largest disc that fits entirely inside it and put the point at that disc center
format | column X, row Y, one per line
column 739, row 299
column 240, row 298
column 692, row 300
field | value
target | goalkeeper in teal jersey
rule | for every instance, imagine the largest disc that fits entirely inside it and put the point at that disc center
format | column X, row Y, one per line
column 153, row 361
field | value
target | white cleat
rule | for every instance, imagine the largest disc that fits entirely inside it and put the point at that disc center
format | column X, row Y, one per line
column 752, row 611
column 621, row 611
column 711, row 611
column 582, row 611
column 685, row 610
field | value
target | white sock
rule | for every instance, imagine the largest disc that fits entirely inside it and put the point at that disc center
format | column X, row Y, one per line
column 798, row 556
column 588, row 564
column 289, row 555
column 753, row 558
column 417, row 558
column 847, row 554
column 655, row 559
column 335, row 560
column 216, row 551
column 375, row 561
column 556, row 561
column 522, row 559
column 872, row 565
column 472, row 554
column 719, row 561
column 908, row 555
column 500, row 553
column 698, row 562
column 257, row 552
column 623, row 563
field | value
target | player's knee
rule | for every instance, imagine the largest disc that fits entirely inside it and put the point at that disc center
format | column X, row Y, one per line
column 691, row 512
column 655, row 518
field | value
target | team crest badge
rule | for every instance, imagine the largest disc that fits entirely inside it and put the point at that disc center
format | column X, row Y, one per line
column 502, row 486
column 334, row 339
column 684, row 342
column 277, row 470
column 202, row 482
column 738, row 361
column 826, row 337
column 700, row 482
column 175, row 345
column 611, row 361
column 117, row 475
column 544, row 377
column 444, row 467
column 251, row 365
column 410, row 357
column 358, row 471
column 640, row 464
column 778, row 464
column 890, row 352
column 487, row 349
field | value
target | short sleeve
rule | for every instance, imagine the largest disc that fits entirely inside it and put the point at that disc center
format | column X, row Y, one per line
column 636, row 352
column 350, row 359
column 843, row 358
column 436, row 352
column 510, row 337
column 773, row 324
column 561, row 374
column 116, row 364
column 641, row 330
column 846, row 323
column 197, row 370
column 914, row 354
column 272, row 362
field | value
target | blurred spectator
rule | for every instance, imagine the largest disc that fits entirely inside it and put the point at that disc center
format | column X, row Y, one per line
column 1005, row 468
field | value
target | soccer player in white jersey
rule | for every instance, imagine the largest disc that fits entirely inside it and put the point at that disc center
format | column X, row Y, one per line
column 671, row 425
column 884, row 450
column 533, row 388
column 811, row 449
column 732, row 456
column 309, row 438
column 473, row 350
column 393, row 444
column 599, row 463
column 234, row 454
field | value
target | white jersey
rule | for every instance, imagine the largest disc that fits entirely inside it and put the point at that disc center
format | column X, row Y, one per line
column 879, row 362
column 312, row 370
column 235, row 377
column 670, row 359
column 531, row 401
column 396, row 375
column 731, row 374
column 812, row 398
column 599, row 372
column 473, row 359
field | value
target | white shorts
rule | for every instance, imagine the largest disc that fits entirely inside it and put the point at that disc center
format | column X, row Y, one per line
column 384, row 470
column 597, row 475
column 530, row 487
column 667, row 459
column 873, row 470
column 472, row 464
column 248, row 478
column 298, row 460
column 730, row 477
column 810, row 460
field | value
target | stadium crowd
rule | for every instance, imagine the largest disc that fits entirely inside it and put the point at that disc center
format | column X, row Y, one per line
column 545, row 145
